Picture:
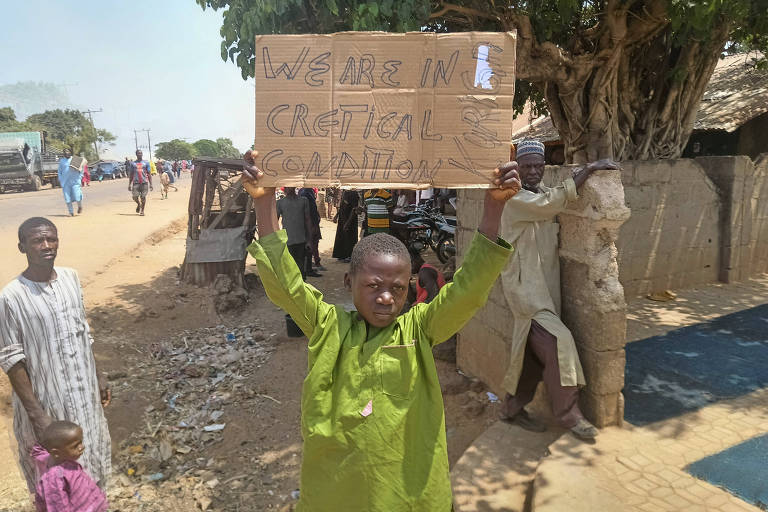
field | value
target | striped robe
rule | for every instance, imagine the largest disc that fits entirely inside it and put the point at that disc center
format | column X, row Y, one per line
column 44, row 325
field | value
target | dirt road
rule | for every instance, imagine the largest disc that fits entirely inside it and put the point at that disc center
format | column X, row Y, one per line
column 108, row 226
column 163, row 343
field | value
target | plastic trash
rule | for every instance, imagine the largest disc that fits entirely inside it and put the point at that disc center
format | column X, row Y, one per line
column 491, row 397
column 216, row 427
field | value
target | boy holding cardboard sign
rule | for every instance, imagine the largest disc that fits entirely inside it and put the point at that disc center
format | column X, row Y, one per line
column 372, row 412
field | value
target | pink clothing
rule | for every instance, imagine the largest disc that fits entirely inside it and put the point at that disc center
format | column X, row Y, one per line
column 421, row 293
column 65, row 487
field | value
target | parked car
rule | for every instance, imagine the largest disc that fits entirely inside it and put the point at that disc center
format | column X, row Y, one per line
column 106, row 169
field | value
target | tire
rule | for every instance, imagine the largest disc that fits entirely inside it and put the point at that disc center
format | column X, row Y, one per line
column 446, row 249
column 2, row 189
column 37, row 183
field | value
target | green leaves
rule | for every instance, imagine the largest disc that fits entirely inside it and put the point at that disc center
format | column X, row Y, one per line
column 243, row 20
column 577, row 28
column 175, row 149
column 66, row 128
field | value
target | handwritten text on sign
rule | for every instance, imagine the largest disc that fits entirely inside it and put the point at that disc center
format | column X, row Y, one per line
column 400, row 110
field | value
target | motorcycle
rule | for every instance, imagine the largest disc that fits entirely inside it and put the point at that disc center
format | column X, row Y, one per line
column 446, row 241
column 422, row 227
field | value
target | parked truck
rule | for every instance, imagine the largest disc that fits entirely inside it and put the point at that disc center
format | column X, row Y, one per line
column 25, row 164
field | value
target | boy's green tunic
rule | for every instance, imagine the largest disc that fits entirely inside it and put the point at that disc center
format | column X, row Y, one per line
column 372, row 412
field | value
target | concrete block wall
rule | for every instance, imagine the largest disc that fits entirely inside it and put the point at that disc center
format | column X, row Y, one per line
column 482, row 350
column 743, row 188
column 691, row 223
column 672, row 239
column 756, row 262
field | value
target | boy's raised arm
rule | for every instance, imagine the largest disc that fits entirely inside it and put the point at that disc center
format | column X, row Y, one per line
column 487, row 256
column 278, row 271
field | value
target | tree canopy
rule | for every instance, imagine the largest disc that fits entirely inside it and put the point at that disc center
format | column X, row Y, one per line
column 175, row 149
column 64, row 129
column 620, row 78
column 206, row 147
column 8, row 122
column 227, row 149
column 178, row 149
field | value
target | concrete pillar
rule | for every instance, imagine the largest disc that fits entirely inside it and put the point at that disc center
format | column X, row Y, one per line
column 593, row 305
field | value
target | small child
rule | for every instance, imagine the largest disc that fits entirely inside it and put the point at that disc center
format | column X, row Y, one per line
column 63, row 484
column 372, row 415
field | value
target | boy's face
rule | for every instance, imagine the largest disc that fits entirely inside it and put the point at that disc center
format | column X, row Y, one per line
column 380, row 288
column 71, row 447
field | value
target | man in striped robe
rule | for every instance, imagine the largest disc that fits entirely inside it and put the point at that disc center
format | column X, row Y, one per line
column 45, row 348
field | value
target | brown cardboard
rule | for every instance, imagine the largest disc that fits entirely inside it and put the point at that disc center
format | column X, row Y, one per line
column 363, row 109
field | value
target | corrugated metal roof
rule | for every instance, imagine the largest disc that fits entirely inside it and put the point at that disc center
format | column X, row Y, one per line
column 541, row 129
column 737, row 93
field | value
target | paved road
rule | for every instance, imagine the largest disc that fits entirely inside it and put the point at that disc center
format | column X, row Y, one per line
column 107, row 228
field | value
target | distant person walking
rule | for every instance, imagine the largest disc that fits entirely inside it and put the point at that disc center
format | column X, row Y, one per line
column 86, row 180
column 331, row 202
column 70, row 180
column 140, row 181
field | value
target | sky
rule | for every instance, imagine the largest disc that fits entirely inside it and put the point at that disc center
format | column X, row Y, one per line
column 152, row 64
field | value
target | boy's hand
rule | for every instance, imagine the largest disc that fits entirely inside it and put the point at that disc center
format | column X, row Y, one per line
column 252, row 175
column 507, row 180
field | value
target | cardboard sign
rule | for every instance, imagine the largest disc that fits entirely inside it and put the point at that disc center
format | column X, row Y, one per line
column 78, row 163
column 373, row 109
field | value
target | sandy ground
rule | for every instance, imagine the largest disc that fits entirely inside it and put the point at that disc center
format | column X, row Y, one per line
column 101, row 239
column 136, row 304
column 646, row 318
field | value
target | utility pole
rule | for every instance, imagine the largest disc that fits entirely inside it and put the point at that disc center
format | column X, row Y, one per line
column 149, row 141
column 90, row 116
column 136, row 139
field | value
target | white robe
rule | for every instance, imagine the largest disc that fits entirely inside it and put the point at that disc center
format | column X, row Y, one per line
column 44, row 325
column 531, row 280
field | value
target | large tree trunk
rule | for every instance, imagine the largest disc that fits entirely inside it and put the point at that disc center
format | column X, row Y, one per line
column 634, row 96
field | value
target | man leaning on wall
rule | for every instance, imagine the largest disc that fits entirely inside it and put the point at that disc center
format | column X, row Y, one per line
column 542, row 347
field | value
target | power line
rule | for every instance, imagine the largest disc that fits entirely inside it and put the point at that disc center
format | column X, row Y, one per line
column 90, row 116
column 149, row 142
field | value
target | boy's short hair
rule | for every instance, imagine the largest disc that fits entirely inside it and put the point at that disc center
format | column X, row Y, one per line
column 377, row 243
column 31, row 223
column 56, row 432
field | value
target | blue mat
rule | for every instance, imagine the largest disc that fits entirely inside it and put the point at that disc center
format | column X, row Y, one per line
column 692, row 367
column 740, row 469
